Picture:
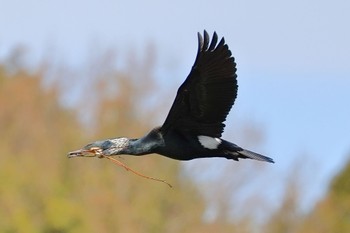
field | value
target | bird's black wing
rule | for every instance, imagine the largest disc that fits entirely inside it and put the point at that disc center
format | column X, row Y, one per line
column 207, row 95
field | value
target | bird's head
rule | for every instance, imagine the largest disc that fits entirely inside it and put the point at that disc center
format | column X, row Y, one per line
column 101, row 148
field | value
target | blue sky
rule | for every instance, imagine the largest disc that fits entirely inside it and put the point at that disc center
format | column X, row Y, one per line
column 293, row 63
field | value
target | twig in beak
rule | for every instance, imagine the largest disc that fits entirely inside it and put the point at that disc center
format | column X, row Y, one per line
column 117, row 162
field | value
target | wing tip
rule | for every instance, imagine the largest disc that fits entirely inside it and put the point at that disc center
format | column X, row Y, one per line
column 200, row 42
column 203, row 41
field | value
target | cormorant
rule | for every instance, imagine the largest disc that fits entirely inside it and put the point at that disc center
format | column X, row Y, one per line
column 194, row 124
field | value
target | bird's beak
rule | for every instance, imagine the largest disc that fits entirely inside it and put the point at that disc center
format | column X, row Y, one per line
column 85, row 153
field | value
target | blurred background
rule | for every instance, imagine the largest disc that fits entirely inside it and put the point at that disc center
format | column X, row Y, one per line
column 72, row 72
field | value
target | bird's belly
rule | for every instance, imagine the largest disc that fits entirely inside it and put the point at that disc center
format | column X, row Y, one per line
column 186, row 151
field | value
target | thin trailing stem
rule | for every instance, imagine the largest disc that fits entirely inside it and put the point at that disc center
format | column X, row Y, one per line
column 117, row 162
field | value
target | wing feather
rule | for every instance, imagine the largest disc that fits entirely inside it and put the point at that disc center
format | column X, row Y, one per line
column 208, row 93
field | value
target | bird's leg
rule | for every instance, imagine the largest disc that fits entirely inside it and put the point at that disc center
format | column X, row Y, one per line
column 117, row 162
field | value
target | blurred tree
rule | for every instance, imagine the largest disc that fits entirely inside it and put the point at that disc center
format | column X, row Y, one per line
column 35, row 132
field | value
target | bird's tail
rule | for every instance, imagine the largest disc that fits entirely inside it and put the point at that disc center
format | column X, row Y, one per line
column 235, row 152
column 252, row 155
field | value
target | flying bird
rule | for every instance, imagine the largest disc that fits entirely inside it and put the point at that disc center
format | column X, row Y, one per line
column 194, row 124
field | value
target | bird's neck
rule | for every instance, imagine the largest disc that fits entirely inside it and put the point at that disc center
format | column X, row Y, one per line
column 145, row 145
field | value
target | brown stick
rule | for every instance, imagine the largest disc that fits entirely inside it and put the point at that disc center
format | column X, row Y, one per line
column 117, row 162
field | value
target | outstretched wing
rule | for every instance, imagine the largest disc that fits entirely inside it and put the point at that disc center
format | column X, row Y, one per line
column 207, row 95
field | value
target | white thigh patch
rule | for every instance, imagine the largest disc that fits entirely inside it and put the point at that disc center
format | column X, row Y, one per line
column 209, row 142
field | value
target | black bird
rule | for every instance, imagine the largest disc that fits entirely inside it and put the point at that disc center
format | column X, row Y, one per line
column 194, row 124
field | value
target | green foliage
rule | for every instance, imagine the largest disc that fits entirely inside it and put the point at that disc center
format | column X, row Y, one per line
column 332, row 214
column 340, row 186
